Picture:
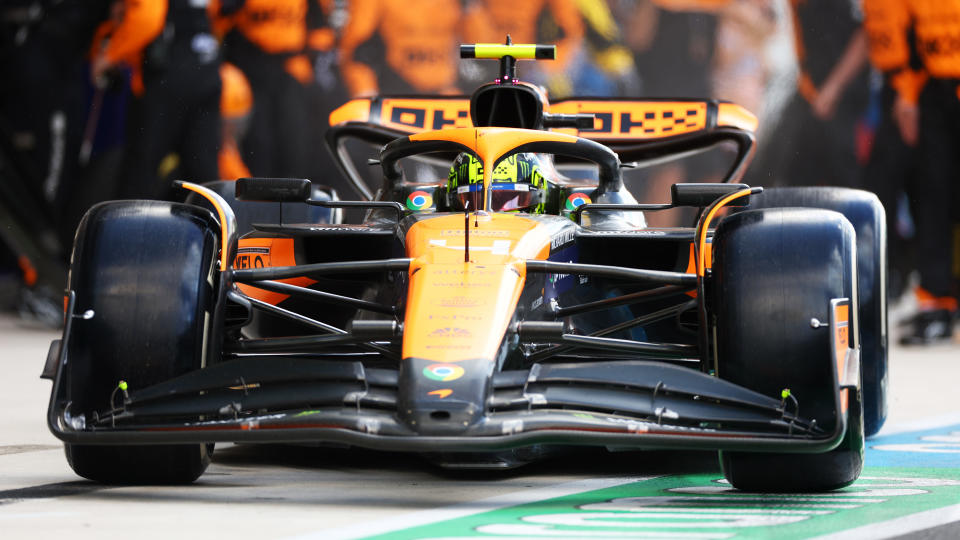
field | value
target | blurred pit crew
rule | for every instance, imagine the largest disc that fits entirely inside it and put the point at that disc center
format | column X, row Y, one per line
column 267, row 40
column 890, row 170
column 176, row 81
column 932, row 118
column 673, row 45
column 419, row 43
column 490, row 21
column 606, row 67
column 42, row 46
column 325, row 22
column 816, row 138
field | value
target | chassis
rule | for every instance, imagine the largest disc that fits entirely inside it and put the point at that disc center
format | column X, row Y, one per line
column 254, row 314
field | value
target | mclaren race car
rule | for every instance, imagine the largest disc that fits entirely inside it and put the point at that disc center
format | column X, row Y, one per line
column 499, row 296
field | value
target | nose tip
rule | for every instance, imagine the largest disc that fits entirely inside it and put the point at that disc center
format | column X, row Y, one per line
column 451, row 419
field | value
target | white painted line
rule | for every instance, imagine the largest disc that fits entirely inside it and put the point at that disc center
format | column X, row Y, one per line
column 899, row 526
column 497, row 502
column 924, row 424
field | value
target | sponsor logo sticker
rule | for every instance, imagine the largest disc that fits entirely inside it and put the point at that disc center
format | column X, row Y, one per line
column 449, row 332
column 577, row 199
column 442, row 393
column 459, row 301
column 443, row 372
column 419, row 200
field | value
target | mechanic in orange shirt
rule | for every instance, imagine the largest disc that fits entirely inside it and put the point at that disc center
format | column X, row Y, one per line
column 890, row 170
column 176, row 81
column 267, row 40
column 490, row 21
column 419, row 38
column 933, row 117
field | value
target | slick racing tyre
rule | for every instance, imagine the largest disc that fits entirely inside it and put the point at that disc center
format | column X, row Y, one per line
column 864, row 211
column 144, row 269
column 774, row 270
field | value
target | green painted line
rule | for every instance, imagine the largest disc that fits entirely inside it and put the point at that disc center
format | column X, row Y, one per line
column 702, row 506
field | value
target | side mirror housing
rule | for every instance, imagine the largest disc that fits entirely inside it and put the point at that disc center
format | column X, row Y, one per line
column 703, row 195
column 273, row 189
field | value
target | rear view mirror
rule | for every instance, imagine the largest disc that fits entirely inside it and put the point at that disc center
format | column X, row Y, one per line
column 703, row 195
column 273, row 189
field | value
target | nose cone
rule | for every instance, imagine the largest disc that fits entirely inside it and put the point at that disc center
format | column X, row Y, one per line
column 442, row 399
column 460, row 301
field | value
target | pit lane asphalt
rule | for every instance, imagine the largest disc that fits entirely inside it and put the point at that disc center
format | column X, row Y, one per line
column 257, row 491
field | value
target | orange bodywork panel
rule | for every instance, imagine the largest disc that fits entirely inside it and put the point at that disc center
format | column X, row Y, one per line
column 459, row 310
column 357, row 110
column 706, row 253
column 733, row 115
column 265, row 253
column 692, row 262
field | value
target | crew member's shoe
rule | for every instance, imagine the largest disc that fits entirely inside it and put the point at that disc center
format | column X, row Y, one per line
column 928, row 327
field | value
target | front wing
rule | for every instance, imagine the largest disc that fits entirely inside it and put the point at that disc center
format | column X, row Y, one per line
column 632, row 404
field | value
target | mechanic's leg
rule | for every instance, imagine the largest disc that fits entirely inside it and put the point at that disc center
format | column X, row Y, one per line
column 257, row 145
column 200, row 145
column 890, row 168
column 291, row 145
column 939, row 114
column 151, row 133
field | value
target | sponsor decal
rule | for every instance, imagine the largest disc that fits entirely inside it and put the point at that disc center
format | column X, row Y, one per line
column 414, row 115
column 562, row 239
column 249, row 260
column 477, row 233
column 419, row 200
column 475, row 271
column 442, row 393
column 460, row 301
column 455, row 317
column 443, row 372
column 577, row 199
column 462, row 284
column 841, row 342
column 252, row 257
column 450, row 333
column 638, row 120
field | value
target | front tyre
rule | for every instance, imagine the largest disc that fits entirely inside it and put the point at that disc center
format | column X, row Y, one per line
column 864, row 211
column 792, row 473
column 145, row 269
column 773, row 271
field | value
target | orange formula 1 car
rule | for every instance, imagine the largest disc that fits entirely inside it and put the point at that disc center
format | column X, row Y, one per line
column 502, row 298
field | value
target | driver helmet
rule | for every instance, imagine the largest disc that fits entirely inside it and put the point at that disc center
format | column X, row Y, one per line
column 518, row 183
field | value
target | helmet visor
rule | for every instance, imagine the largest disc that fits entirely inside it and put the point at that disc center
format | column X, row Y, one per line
column 470, row 197
column 505, row 196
